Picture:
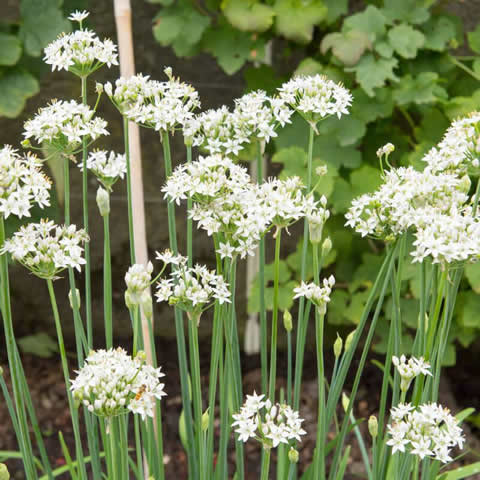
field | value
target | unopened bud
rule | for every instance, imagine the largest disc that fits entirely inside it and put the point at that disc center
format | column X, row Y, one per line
column 465, row 184
column 326, row 247
column 205, row 420
column 321, row 170
column 129, row 300
column 168, row 72
column 103, row 201
column 349, row 340
column 287, row 321
column 99, row 87
column 146, row 304
column 345, row 401
column 1, row 371
column 293, row 455
column 337, row 346
column 141, row 355
column 373, row 426
column 315, row 230
column 26, row 143
column 4, row 475
column 77, row 299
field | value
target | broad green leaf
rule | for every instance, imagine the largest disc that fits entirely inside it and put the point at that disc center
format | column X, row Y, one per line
column 42, row 22
column 309, row 66
column 336, row 8
column 39, row 344
column 470, row 317
column 327, row 150
column 461, row 106
column 465, row 336
column 262, row 77
column 10, row 49
column 410, row 11
column 230, row 47
column 474, row 39
column 342, row 196
column 364, row 180
column 348, row 46
column 464, row 414
column 409, row 308
column 384, row 48
column 180, row 26
column 248, row 17
column 433, row 126
column 461, row 472
column 366, row 273
column 439, row 32
column 165, row 3
column 294, row 160
column 369, row 110
column 421, row 89
column 371, row 21
column 347, row 130
column 355, row 309
column 373, row 73
column 296, row 22
column 337, row 307
column 405, row 40
column 472, row 272
column 16, row 86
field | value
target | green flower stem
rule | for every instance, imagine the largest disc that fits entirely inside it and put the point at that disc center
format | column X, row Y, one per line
column 196, row 390
column 15, row 372
column 88, row 280
column 129, row 190
column 335, row 389
column 107, row 283
column 319, row 456
column 261, row 279
column 289, row 367
column 114, row 444
column 221, row 469
column 273, row 345
column 433, row 320
column 138, row 446
column 265, row 464
column 63, row 356
column 179, row 329
column 189, row 220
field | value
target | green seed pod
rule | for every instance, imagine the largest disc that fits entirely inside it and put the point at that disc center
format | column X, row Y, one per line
column 287, row 321
column 373, row 426
column 337, row 346
column 293, row 455
column 103, row 201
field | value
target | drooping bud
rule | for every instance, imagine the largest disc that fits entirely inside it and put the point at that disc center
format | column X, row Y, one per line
column 349, row 340
column 293, row 455
column 337, row 346
column 70, row 299
column 373, row 426
column 287, row 321
column 103, row 201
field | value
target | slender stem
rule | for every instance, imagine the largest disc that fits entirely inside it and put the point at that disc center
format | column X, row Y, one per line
column 289, row 367
column 63, row 357
column 189, row 220
column 265, row 464
column 464, row 67
column 112, row 434
column 129, row 190
column 107, row 283
column 273, row 346
column 88, row 287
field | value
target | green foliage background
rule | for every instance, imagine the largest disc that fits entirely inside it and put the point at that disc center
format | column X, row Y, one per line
column 399, row 59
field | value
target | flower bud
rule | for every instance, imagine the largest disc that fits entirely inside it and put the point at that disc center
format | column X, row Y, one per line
column 129, row 300
column 146, row 304
column 293, row 455
column 326, row 247
column 349, row 340
column 4, row 475
column 373, row 426
column 1, row 371
column 141, row 355
column 287, row 321
column 337, row 346
column 103, row 201
column 465, row 184
column 315, row 231
column 70, row 299
column 205, row 420
column 345, row 401
column 321, row 170
column 168, row 72
column 99, row 87
column 26, row 143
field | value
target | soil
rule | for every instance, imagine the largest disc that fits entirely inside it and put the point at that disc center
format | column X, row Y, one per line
column 458, row 391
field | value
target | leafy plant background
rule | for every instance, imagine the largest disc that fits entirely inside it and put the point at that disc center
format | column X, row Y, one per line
column 402, row 62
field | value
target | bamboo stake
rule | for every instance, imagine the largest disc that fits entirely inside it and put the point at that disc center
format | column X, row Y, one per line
column 123, row 20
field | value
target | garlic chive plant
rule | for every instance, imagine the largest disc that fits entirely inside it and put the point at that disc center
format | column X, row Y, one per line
column 424, row 217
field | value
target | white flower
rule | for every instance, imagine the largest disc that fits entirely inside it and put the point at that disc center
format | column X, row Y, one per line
column 47, row 249
column 78, row 16
column 411, row 369
column 64, row 125
column 320, row 296
column 111, row 382
column 80, row 52
column 428, row 430
column 138, row 279
column 268, row 423
column 387, row 149
column 22, row 183
column 315, row 97
column 108, row 167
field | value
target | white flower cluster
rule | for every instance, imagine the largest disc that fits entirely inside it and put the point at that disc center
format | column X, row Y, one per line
column 22, row 184
column 46, row 249
column 320, row 296
column 64, row 124
column 316, row 97
column 163, row 106
column 108, row 167
column 111, row 382
column 269, row 424
column 138, row 280
column 227, row 202
column 78, row 16
column 459, row 149
column 80, row 52
column 428, row 430
column 255, row 116
column 191, row 289
column 411, row 369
